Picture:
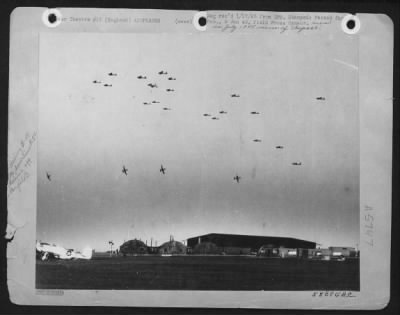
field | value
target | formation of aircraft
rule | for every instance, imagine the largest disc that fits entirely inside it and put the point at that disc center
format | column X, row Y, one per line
column 125, row 170
column 46, row 251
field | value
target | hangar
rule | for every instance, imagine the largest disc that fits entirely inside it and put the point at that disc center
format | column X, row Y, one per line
column 244, row 244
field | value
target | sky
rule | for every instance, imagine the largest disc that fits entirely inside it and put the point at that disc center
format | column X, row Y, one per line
column 87, row 132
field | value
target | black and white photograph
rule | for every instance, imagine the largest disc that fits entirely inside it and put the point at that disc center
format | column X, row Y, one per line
column 164, row 167
column 199, row 159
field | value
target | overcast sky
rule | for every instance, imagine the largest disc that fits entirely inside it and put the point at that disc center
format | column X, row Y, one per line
column 87, row 132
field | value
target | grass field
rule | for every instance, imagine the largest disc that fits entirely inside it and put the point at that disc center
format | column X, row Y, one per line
column 198, row 273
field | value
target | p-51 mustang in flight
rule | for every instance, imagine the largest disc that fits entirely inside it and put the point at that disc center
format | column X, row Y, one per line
column 46, row 251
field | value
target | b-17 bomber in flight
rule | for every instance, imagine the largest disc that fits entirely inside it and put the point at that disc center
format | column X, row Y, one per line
column 162, row 169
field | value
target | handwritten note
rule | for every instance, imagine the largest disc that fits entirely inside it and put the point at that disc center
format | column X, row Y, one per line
column 282, row 23
column 369, row 225
column 20, row 164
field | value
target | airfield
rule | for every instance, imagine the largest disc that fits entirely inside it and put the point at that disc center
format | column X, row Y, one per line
column 190, row 272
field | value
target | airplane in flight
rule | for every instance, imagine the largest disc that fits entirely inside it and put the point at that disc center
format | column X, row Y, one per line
column 170, row 90
column 257, row 140
column 171, row 79
column 320, row 98
column 155, row 102
column 96, row 82
column 46, row 251
column 207, row 115
column 296, row 163
column 112, row 74
column 108, row 85
column 237, row 178
column 146, row 103
column 162, row 169
column 125, row 170
column 235, row 95
column 163, row 72
column 166, row 108
column 215, row 118
column 141, row 77
column 255, row 113
column 279, row 147
column 48, row 176
column 152, row 85
column 223, row 112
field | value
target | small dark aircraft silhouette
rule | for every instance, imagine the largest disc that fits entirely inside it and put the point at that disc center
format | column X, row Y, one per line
column 108, row 85
column 296, row 163
column 255, row 113
column 141, row 77
column 125, row 170
column 162, row 169
column 257, row 140
column 146, row 103
column 163, row 72
column 170, row 90
column 48, row 176
column 152, row 85
column 171, row 79
column 166, row 108
column 206, row 115
column 237, row 178
column 155, row 102
column 112, row 74
column 96, row 82
column 215, row 118
column 235, row 95
column 321, row 98
column 279, row 147
column 223, row 112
